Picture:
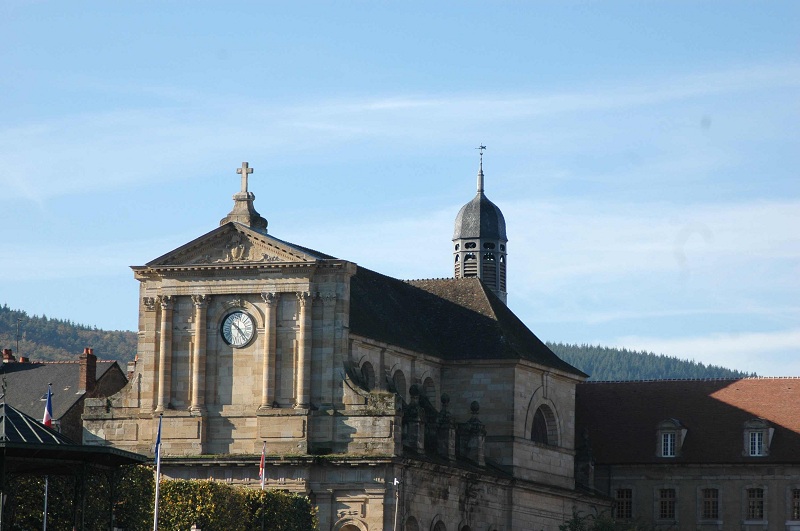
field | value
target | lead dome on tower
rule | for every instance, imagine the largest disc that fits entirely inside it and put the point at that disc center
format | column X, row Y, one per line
column 480, row 244
column 480, row 218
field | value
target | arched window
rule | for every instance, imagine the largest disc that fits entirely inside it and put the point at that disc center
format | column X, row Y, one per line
column 470, row 245
column 399, row 380
column 439, row 526
column 411, row 524
column 544, row 429
column 539, row 430
column 368, row 374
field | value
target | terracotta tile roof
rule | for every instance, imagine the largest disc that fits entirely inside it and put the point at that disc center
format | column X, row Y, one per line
column 454, row 319
column 621, row 418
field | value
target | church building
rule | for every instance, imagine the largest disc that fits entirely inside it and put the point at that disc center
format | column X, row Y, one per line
column 394, row 405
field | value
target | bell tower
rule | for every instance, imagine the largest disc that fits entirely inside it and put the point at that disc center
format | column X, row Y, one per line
column 480, row 245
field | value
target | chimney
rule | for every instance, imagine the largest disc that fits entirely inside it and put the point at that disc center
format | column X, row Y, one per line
column 88, row 373
column 8, row 355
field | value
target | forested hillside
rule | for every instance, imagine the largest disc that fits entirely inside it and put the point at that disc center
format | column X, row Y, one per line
column 41, row 338
column 602, row 363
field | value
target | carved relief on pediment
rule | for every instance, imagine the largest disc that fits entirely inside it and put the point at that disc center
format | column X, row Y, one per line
column 232, row 247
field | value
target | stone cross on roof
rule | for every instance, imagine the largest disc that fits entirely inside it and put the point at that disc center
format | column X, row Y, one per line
column 244, row 171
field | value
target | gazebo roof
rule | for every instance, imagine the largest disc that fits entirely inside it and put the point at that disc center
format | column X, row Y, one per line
column 29, row 446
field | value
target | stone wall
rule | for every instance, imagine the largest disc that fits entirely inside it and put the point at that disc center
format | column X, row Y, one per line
column 777, row 482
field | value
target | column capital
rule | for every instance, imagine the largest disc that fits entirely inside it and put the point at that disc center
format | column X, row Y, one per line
column 166, row 301
column 304, row 297
column 149, row 303
column 200, row 300
column 269, row 297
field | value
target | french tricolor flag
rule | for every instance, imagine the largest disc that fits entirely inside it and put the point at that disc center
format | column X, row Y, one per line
column 48, row 408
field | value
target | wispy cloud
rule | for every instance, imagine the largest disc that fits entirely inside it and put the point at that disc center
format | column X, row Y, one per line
column 107, row 149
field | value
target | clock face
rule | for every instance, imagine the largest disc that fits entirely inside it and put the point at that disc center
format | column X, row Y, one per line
column 238, row 329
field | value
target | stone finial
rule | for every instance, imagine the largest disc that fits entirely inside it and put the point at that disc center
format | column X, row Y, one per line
column 243, row 210
column 414, row 422
column 446, row 431
column 472, row 435
column 474, row 407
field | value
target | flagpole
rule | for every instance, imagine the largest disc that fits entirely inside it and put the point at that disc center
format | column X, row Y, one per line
column 262, row 475
column 47, row 420
column 158, row 472
column 46, row 482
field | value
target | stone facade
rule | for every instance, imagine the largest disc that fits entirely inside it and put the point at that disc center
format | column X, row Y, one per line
column 384, row 427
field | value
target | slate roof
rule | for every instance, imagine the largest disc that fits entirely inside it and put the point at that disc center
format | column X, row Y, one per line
column 622, row 418
column 453, row 319
column 26, row 384
column 480, row 218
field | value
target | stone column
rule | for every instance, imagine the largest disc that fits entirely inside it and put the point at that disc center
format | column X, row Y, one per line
column 303, row 372
column 199, row 353
column 270, row 342
column 164, row 353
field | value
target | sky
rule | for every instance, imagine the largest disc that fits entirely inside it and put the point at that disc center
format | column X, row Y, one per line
column 645, row 154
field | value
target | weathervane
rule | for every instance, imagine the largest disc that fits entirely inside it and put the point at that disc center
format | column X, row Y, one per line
column 481, row 148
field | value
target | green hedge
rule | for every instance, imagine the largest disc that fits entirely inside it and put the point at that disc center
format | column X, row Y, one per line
column 213, row 506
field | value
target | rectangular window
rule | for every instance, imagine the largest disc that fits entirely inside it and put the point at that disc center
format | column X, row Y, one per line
column 624, row 506
column 710, row 504
column 668, row 444
column 796, row 504
column 756, row 443
column 666, row 504
column 755, row 504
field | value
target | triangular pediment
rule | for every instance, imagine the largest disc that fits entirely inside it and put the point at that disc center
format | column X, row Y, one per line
column 234, row 243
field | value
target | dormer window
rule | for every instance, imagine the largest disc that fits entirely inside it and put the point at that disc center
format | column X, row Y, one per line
column 756, row 443
column 757, row 437
column 668, row 444
column 671, row 434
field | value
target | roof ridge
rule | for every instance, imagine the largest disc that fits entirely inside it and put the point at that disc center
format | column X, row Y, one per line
column 408, row 280
column 726, row 379
column 55, row 362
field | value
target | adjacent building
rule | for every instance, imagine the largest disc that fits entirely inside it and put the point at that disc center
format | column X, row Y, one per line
column 25, row 385
column 696, row 454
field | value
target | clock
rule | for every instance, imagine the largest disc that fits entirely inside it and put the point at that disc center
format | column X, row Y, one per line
column 238, row 329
